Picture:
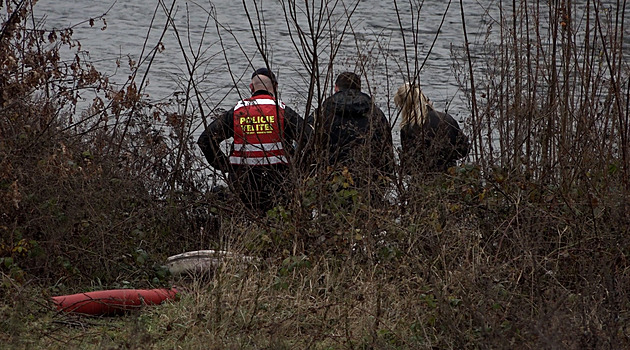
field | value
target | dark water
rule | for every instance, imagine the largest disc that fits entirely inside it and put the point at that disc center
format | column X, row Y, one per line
column 220, row 35
column 375, row 36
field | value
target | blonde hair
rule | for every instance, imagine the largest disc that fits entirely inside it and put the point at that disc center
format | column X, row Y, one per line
column 413, row 104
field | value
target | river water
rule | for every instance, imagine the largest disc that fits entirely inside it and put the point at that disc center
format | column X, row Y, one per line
column 380, row 36
column 219, row 33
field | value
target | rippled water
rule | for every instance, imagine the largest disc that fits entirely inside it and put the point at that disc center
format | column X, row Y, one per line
column 219, row 34
column 375, row 34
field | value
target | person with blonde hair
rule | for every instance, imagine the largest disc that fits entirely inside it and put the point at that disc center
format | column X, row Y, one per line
column 431, row 141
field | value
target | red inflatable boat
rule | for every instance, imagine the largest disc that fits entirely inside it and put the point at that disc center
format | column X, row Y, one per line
column 115, row 301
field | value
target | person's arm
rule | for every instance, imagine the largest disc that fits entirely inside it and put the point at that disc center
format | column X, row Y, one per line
column 387, row 144
column 459, row 140
column 210, row 141
column 296, row 129
column 463, row 145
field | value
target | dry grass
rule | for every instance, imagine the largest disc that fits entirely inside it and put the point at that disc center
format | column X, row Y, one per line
column 452, row 289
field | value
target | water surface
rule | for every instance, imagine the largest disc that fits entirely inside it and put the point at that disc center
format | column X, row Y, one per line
column 387, row 38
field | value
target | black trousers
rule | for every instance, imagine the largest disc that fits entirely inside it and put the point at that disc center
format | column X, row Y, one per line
column 260, row 187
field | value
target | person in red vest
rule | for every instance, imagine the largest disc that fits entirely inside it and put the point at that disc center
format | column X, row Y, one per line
column 264, row 132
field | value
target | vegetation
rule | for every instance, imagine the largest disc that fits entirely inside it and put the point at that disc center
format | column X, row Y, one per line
column 525, row 245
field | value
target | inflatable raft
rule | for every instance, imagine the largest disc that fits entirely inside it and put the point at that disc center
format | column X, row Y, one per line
column 110, row 302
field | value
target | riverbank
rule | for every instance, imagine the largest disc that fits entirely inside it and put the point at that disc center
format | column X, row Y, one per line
column 468, row 267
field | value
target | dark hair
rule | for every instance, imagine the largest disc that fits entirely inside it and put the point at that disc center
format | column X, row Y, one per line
column 266, row 72
column 348, row 80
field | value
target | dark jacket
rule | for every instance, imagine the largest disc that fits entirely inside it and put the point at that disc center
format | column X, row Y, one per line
column 222, row 128
column 434, row 146
column 350, row 130
column 259, row 186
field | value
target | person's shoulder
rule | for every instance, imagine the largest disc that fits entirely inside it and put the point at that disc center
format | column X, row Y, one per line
column 292, row 114
column 445, row 117
column 364, row 94
column 224, row 117
column 448, row 117
column 228, row 114
column 286, row 107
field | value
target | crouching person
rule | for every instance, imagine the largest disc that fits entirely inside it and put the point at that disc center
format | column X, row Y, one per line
column 263, row 129
column 431, row 141
column 351, row 132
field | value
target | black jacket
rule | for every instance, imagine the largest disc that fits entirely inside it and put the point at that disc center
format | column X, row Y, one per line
column 435, row 145
column 222, row 128
column 350, row 130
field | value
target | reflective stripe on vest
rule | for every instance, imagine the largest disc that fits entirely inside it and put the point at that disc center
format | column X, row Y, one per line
column 258, row 161
column 258, row 127
column 260, row 102
column 275, row 146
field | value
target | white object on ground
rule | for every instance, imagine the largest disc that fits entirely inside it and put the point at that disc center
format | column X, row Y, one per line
column 202, row 261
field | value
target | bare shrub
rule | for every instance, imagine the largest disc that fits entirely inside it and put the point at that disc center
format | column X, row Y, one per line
column 84, row 193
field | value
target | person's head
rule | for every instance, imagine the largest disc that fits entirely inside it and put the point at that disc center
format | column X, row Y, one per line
column 263, row 79
column 413, row 104
column 347, row 81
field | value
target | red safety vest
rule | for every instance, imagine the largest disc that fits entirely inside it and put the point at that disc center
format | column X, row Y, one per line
column 258, row 130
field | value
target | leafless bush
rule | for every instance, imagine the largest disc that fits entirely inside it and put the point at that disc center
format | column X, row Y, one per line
column 87, row 187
